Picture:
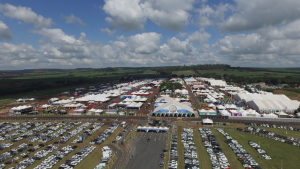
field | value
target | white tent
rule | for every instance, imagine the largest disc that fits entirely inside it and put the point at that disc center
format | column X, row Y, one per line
column 221, row 107
column 207, row 122
column 271, row 115
column 211, row 105
column 224, row 113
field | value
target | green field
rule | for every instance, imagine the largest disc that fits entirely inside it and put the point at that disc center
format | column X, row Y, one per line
column 291, row 94
column 33, row 82
column 250, row 73
column 37, row 83
column 185, row 73
column 275, row 149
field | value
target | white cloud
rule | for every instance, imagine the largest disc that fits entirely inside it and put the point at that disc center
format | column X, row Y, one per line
column 211, row 15
column 200, row 39
column 182, row 34
column 145, row 43
column 255, row 14
column 26, row 15
column 73, row 19
column 132, row 14
column 169, row 14
column 58, row 37
column 175, row 45
column 5, row 33
column 257, row 50
column 126, row 14
column 108, row 31
column 60, row 50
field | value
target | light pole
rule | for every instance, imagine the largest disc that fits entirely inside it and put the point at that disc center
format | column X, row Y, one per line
column 281, row 163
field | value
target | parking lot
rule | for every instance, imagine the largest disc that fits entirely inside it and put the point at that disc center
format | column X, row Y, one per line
column 57, row 144
column 147, row 155
column 48, row 144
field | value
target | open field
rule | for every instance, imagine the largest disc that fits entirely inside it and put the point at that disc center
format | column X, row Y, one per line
column 251, row 73
column 30, row 83
column 292, row 95
column 275, row 149
column 185, row 73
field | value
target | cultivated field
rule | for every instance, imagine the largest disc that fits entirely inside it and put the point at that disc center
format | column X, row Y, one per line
column 290, row 94
column 185, row 73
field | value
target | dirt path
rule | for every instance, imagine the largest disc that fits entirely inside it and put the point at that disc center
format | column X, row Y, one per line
column 193, row 99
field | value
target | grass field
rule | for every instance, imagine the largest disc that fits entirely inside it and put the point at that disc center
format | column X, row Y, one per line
column 290, row 94
column 203, row 156
column 185, row 73
column 248, row 73
column 275, row 149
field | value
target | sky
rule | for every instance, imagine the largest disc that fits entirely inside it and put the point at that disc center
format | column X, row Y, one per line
column 147, row 33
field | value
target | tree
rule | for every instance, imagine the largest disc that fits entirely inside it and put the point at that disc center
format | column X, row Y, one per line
column 248, row 89
column 258, row 87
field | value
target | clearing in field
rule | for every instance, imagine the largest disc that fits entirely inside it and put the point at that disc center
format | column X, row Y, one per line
column 289, row 94
column 185, row 73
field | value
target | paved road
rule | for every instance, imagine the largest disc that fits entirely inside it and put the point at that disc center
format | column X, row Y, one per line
column 144, row 152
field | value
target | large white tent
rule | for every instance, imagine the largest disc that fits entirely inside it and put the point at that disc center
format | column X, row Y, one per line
column 269, row 102
column 249, row 97
column 274, row 105
column 214, row 82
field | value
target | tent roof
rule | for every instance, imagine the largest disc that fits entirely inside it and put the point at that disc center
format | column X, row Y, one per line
column 173, row 102
column 207, row 121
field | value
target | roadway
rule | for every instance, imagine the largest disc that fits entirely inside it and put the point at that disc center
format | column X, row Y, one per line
column 147, row 155
column 142, row 120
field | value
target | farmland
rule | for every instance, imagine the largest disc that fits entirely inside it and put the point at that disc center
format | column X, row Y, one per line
column 27, row 82
column 292, row 95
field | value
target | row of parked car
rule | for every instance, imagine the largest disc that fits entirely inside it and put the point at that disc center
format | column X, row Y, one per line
column 6, row 127
column 33, row 131
column 77, row 157
column 74, row 132
column 11, row 153
column 119, row 136
column 60, row 132
column 173, row 164
column 273, row 136
column 39, row 136
column 22, row 130
column 259, row 150
column 56, row 157
column 89, row 131
column 5, row 145
column 273, row 126
column 37, row 156
column 26, row 153
column 103, row 136
column 190, row 152
column 243, row 156
column 217, row 157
